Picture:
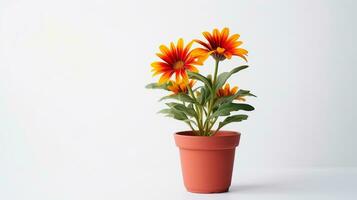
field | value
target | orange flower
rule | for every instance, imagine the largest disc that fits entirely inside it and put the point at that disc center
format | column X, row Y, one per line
column 179, row 86
column 227, row 91
column 221, row 46
column 176, row 60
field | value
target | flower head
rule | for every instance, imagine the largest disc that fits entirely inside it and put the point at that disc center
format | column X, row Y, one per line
column 176, row 60
column 220, row 45
column 180, row 86
column 227, row 91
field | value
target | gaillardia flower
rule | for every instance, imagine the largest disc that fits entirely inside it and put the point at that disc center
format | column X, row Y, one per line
column 227, row 91
column 220, row 45
column 176, row 60
column 180, row 86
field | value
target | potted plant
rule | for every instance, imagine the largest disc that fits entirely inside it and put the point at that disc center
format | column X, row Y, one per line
column 206, row 104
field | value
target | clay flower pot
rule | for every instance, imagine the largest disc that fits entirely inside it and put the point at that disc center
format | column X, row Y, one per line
column 207, row 161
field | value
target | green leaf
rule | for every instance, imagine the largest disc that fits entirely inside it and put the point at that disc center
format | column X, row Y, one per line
column 174, row 114
column 234, row 118
column 197, row 88
column 165, row 111
column 201, row 78
column 201, row 97
column 223, row 77
column 227, row 99
column 243, row 93
column 204, row 96
column 180, row 97
column 227, row 108
column 157, row 86
column 180, row 107
column 190, row 121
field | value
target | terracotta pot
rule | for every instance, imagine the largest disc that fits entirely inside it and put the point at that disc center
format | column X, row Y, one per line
column 207, row 161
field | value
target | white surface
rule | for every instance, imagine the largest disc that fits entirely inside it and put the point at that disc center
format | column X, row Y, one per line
column 246, row 184
column 76, row 121
column 289, row 184
column 274, row 184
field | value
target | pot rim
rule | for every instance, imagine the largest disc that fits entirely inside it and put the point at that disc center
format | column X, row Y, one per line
column 220, row 133
column 220, row 141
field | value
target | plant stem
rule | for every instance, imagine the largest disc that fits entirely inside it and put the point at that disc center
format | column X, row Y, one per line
column 207, row 125
column 189, row 123
column 198, row 110
column 215, row 72
column 191, row 127
column 212, row 124
column 216, row 130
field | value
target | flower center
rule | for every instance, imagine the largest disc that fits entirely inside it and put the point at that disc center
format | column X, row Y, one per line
column 179, row 64
column 220, row 50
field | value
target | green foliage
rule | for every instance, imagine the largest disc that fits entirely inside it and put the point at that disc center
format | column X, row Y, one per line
column 174, row 113
column 189, row 111
column 199, row 77
column 157, row 86
column 203, row 96
column 180, row 97
column 201, row 108
column 222, row 78
column 227, row 108
column 240, row 93
column 233, row 118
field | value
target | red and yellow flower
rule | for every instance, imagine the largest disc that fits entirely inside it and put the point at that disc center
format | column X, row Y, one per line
column 180, row 86
column 175, row 61
column 227, row 91
column 221, row 46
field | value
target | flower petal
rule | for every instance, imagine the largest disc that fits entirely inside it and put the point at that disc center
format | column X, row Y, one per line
column 199, row 52
column 228, row 55
column 233, row 38
column 164, row 49
column 207, row 35
column 192, row 68
column 216, row 36
column 179, row 47
column 165, row 77
column 234, row 90
column 185, row 52
column 224, row 34
column 241, row 51
column 165, row 58
column 173, row 51
column 208, row 46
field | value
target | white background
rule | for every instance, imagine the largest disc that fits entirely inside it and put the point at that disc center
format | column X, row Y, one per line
column 76, row 121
